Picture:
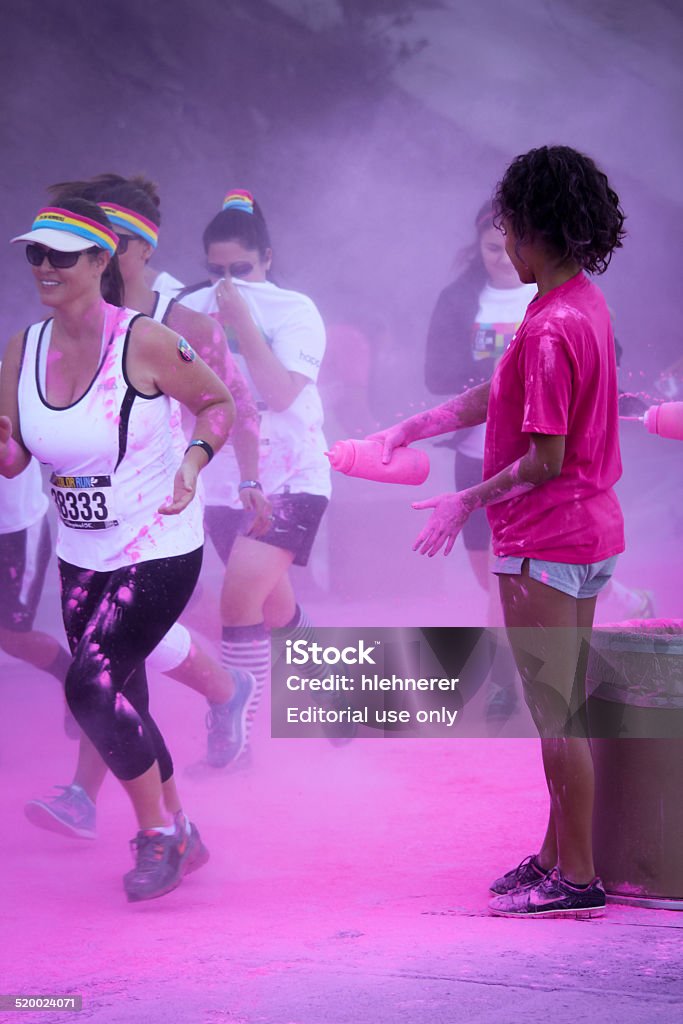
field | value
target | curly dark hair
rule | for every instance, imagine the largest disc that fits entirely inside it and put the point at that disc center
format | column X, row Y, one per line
column 559, row 195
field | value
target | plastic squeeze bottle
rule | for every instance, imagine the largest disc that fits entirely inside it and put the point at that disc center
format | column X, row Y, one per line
column 665, row 419
column 364, row 459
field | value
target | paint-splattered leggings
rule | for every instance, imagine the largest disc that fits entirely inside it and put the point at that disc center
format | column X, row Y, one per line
column 113, row 621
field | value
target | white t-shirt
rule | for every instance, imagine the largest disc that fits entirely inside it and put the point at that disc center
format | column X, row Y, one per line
column 501, row 311
column 167, row 284
column 292, row 442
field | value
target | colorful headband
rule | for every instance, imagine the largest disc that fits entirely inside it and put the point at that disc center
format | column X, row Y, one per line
column 75, row 224
column 240, row 199
column 484, row 218
column 123, row 217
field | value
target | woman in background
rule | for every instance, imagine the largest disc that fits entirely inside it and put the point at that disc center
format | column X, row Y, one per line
column 474, row 321
column 278, row 338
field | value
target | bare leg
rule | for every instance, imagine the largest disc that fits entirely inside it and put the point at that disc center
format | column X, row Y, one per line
column 201, row 673
column 145, row 794
column 253, row 571
column 280, row 604
column 546, row 630
column 90, row 768
column 170, row 796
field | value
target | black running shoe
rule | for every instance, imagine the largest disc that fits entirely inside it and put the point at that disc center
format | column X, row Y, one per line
column 159, row 864
column 197, row 854
column 554, row 896
column 529, row 872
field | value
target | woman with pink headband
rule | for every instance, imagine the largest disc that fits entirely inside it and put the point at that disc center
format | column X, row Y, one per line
column 132, row 206
column 90, row 392
column 278, row 338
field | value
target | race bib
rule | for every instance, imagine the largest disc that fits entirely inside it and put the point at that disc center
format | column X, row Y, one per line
column 84, row 502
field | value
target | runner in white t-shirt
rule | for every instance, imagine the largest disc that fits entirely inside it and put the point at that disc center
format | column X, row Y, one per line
column 278, row 339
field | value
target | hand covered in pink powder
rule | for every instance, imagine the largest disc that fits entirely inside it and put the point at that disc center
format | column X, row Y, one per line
column 232, row 309
column 393, row 437
column 184, row 488
column 451, row 512
column 254, row 501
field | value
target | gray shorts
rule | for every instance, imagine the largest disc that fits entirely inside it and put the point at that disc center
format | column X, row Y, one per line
column 580, row 581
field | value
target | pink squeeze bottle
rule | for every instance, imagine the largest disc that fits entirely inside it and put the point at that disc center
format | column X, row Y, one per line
column 665, row 419
column 364, row 459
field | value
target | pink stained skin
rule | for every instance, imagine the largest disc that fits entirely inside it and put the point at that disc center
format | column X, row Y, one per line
column 466, row 410
column 451, row 511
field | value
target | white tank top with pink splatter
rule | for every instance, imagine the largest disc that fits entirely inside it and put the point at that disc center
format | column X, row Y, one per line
column 114, row 454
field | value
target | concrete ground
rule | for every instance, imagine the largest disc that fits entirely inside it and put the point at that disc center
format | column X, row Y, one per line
column 346, row 885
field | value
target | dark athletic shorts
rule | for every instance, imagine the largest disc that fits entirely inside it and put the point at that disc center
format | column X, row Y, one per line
column 295, row 524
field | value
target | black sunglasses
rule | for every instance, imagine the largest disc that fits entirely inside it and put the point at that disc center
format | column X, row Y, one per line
column 239, row 269
column 36, row 253
column 124, row 242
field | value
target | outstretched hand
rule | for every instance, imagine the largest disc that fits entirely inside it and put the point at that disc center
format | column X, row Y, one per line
column 451, row 512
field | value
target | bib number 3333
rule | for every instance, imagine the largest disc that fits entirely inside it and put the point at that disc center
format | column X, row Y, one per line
column 84, row 502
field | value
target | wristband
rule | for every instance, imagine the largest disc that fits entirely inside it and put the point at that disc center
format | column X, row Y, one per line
column 250, row 483
column 204, row 445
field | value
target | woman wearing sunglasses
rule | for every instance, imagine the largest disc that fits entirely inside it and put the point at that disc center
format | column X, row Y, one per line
column 89, row 392
column 551, row 461
column 278, row 338
column 132, row 206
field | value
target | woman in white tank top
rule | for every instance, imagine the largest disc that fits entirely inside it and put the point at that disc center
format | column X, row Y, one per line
column 132, row 206
column 90, row 392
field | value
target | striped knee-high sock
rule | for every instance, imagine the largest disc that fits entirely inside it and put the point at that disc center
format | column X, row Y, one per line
column 248, row 648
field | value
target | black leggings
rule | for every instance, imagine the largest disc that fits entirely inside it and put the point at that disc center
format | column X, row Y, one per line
column 113, row 621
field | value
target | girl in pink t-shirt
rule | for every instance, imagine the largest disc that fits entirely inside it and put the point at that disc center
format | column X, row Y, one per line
column 551, row 462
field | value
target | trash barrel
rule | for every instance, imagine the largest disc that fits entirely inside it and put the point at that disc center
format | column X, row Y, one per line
column 635, row 707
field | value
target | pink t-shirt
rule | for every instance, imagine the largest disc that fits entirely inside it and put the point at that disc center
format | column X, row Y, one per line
column 559, row 377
